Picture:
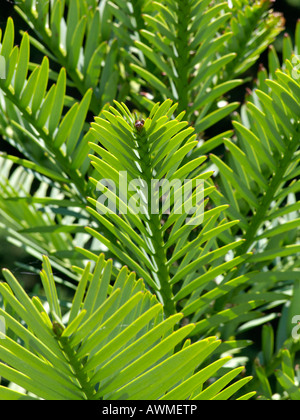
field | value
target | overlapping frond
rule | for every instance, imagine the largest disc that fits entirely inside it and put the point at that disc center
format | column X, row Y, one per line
column 43, row 221
column 258, row 177
column 76, row 37
column 175, row 252
column 38, row 115
column 198, row 52
column 112, row 343
column 254, row 27
column 129, row 19
column 259, row 174
column 216, row 240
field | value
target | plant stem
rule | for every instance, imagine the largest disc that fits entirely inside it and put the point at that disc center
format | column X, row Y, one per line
column 182, row 46
column 78, row 181
column 77, row 368
column 276, row 182
column 161, row 271
column 62, row 59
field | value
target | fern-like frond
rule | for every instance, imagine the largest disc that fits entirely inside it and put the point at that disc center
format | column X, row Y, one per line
column 197, row 52
column 254, row 27
column 112, row 343
column 76, row 37
column 38, row 115
column 129, row 18
column 261, row 182
column 258, row 177
column 43, row 222
column 176, row 253
column 278, row 363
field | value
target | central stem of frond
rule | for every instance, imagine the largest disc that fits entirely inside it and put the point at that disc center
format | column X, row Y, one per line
column 88, row 391
column 161, row 272
column 182, row 46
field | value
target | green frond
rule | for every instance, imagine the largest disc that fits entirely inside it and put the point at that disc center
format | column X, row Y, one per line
column 30, row 220
column 254, row 27
column 113, row 343
column 287, row 377
column 175, row 252
column 129, row 19
column 68, row 33
column 197, row 52
column 54, row 133
column 161, row 201
column 258, row 178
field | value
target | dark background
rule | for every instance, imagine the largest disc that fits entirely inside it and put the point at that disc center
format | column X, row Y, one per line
column 9, row 254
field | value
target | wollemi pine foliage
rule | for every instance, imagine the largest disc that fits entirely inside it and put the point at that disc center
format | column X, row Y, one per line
column 130, row 91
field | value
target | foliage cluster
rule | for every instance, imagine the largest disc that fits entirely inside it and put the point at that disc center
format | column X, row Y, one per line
column 150, row 291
